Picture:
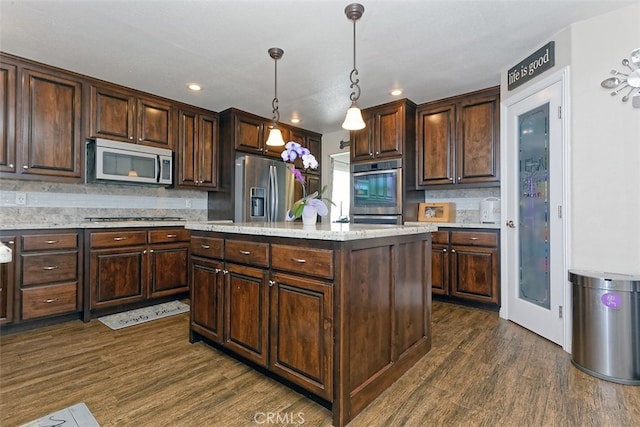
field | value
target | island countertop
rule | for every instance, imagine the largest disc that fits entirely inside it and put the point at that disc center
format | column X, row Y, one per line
column 320, row 231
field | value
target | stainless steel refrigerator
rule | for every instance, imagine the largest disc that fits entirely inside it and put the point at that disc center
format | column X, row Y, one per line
column 264, row 189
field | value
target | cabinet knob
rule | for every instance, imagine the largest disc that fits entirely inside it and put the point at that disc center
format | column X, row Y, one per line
column 217, row 270
column 131, row 137
column 25, row 167
column 451, row 179
column 140, row 139
column 272, row 282
column 144, row 252
column 11, row 165
column 459, row 178
column 225, row 271
column 453, row 251
column 510, row 224
column 151, row 251
column 11, row 242
column 377, row 152
column 444, row 250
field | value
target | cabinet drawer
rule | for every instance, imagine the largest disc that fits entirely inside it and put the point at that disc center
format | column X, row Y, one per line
column 38, row 242
column 209, row 247
column 313, row 262
column 49, row 300
column 247, row 252
column 474, row 238
column 113, row 239
column 440, row 237
column 169, row 235
column 47, row 267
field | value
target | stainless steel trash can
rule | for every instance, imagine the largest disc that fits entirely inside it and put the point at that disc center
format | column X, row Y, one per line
column 606, row 325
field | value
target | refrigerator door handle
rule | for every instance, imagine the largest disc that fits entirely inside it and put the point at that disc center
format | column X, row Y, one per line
column 274, row 192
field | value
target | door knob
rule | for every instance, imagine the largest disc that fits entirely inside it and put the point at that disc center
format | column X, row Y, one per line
column 510, row 224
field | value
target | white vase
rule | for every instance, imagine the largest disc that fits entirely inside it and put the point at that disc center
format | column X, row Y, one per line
column 309, row 215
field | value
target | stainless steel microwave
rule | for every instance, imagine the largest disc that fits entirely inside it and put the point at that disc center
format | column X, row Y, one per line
column 128, row 163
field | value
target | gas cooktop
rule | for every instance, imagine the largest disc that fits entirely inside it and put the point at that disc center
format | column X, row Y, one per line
column 133, row 218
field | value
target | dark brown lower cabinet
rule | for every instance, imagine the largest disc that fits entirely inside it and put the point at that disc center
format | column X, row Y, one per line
column 134, row 266
column 7, row 282
column 466, row 265
column 340, row 319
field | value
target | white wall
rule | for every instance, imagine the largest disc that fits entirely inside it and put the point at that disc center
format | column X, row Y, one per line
column 605, row 142
column 605, row 156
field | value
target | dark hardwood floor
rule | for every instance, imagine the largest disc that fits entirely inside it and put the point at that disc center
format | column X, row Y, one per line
column 481, row 371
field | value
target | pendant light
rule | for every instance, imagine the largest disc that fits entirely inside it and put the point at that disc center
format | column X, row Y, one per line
column 353, row 120
column 275, row 135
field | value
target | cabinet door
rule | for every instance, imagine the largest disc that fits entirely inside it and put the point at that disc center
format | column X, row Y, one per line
column 208, row 149
column 361, row 146
column 246, row 312
column 478, row 140
column 187, row 149
column 388, row 132
column 168, row 265
column 52, row 112
column 7, row 283
column 248, row 134
column 117, row 276
column 440, row 270
column 475, row 273
column 154, row 124
column 207, row 297
column 112, row 114
column 8, row 108
column 436, row 139
column 301, row 348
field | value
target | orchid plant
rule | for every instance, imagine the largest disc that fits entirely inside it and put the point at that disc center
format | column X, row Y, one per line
column 293, row 151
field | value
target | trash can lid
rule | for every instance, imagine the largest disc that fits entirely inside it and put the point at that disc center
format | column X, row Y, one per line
column 604, row 280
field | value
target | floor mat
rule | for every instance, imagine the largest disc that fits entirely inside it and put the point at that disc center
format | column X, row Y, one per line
column 145, row 314
column 77, row 415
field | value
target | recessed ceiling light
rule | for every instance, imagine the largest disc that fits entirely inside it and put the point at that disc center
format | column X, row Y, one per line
column 295, row 120
column 396, row 92
column 194, row 86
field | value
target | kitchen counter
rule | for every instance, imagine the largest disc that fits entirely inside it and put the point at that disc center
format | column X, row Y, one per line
column 91, row 224
column 322, row 231
column 439, row 225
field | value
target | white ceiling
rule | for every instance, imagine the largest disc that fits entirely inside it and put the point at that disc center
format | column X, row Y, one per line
column 431, row 49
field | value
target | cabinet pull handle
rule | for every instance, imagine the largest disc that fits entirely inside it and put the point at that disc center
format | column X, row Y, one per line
column 473, row 238
column 50, row 300
column 225, row 271
column 11, row 242
column 453, row 251
column 245, row 252
column 117, row 239
column 172, row 236
column 205, row 246
column 150, row 251
column 272, row 282
column 217, row 270
column 299, row 260
column 51, row 267
column 444, row 250
column 51, row 242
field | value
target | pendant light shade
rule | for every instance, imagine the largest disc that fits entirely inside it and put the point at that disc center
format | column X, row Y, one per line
column 275, row 135
column 353, row 120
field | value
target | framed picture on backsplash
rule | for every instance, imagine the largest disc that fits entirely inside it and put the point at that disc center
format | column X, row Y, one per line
column 436, row 212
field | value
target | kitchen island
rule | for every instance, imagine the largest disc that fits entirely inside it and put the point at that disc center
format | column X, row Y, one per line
column 338, row 310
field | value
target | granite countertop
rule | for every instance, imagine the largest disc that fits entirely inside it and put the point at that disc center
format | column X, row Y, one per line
column 457, row 224
column 91, row 224
column 320, row 231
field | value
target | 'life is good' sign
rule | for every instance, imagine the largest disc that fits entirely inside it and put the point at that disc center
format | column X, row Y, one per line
column 532, row 66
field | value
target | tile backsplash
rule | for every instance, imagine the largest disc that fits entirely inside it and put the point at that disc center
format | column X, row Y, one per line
column 467, row 201
column 55, row 203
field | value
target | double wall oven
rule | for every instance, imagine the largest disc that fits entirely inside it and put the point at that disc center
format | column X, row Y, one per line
column 377, row 192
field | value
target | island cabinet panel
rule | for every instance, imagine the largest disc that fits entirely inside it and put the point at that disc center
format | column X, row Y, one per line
column 246, row 312
column 341, row 319
column 117, row 276
column 7, row 281
column 207, row 297
column 301, row 348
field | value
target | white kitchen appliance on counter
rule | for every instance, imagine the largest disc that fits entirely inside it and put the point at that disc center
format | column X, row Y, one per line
column 490, row 210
